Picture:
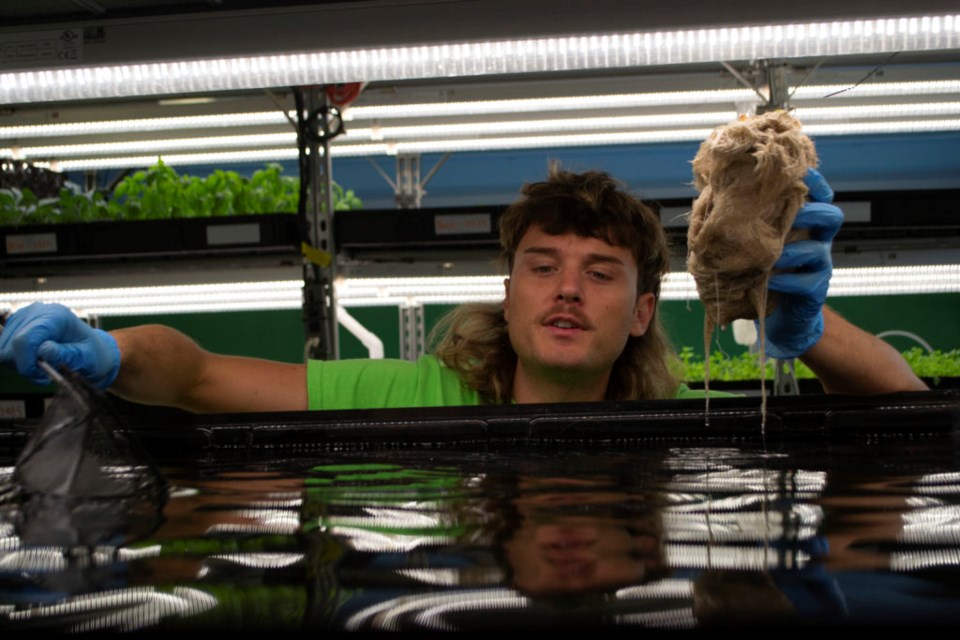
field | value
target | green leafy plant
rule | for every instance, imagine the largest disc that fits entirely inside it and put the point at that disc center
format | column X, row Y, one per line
column 159, row 192
column 933, row 364
column 746, row 365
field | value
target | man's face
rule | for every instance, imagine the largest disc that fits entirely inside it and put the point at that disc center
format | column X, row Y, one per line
column 571, row 303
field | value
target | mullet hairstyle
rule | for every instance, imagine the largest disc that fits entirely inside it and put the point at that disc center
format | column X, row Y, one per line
column 473, row 340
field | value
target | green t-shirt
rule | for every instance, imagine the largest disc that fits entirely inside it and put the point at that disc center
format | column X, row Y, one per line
column 389, row 384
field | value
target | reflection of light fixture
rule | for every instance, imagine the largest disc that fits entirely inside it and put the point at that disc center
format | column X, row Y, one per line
column 678, row 614
column 429, row 607
column 368, row 540
column 722, row 524
column 454, row 577
column 125, row 609
column 472, row 59
column 665, row 604
column 932, row 525
column 402, row 292
column 666, row 588
column 912, row 561
column 693, row 556
column 279, row 525
column 753, row 481
column 261, row 560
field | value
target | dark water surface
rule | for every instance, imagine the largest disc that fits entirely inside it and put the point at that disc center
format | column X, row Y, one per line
column 673, row 537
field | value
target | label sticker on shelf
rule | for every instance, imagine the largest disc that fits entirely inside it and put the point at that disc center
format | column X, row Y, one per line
column 13, row 409
column 316, row 256
column 31, row 243
column 462, row 223
column 220, row 234
column 26, row 50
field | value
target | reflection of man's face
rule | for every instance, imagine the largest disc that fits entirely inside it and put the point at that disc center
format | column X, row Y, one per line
column 552, row 553
column 569, row 556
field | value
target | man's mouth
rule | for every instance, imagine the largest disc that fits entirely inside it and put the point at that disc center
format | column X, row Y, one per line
column 564, row 322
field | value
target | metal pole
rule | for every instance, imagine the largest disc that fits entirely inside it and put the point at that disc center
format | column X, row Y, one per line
column 319, row 304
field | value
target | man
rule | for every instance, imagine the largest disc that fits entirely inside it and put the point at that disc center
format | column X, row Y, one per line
column 578, row 323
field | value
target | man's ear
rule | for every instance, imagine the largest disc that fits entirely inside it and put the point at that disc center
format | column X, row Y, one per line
column 643, row 313
column 506, row 299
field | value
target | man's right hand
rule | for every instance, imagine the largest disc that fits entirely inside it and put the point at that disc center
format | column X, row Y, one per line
column 802, row 275
column 52, row 333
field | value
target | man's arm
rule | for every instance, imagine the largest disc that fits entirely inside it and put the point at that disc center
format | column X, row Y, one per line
column 161, row 366
column 844, row 358
column 849, row 360
column 149, row 364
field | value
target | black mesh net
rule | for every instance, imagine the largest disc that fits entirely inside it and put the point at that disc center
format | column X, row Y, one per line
column 82, row 479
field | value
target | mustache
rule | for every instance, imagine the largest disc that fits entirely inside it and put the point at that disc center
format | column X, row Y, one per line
column 562, row 312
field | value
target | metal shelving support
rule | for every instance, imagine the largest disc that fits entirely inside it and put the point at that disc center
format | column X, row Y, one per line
column 408, row 190
column 413, row 342
column 319, row 265
column 408, row 187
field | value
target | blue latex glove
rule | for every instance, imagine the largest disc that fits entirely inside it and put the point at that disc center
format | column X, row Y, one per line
column 51, row 332
column 797, row 322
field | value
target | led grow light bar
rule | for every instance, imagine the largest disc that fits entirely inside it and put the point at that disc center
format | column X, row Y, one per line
column 943, row 116
column 402, row 292
column 472, row 59
column 484, row 108
column 143, row 125
column 496, row 143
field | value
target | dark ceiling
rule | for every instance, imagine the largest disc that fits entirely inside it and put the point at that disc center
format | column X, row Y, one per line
column 21, row 13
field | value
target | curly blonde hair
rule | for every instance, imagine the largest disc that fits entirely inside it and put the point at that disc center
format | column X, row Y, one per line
column 473, row 340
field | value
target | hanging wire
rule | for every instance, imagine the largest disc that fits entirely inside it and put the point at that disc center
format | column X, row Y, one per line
column 869, row 75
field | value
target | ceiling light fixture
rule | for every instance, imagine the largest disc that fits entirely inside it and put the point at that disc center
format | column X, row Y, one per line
column 472, row 59
column 528, row 133
column 401, row 292
column 494, row 143
column 482, row 108
column 142, row 125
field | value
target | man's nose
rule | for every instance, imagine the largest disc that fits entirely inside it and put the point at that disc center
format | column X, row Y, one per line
column 570, row 287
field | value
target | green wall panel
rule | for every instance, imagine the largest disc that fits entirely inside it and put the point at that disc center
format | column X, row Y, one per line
column 934, row 318
column 277, row 335
column 10, row 382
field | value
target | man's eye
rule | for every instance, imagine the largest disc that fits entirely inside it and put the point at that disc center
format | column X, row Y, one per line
column 600, row 275
column 542, row 268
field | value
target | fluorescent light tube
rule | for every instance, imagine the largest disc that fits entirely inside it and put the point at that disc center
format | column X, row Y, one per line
column 364, row 292
column 472, row 59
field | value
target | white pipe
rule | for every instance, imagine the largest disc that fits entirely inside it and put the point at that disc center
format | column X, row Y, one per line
column 907, row 334
column 368, row 338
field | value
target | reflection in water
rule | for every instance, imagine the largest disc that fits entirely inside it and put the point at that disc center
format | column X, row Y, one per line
column 672, row 539
column 81, row 492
